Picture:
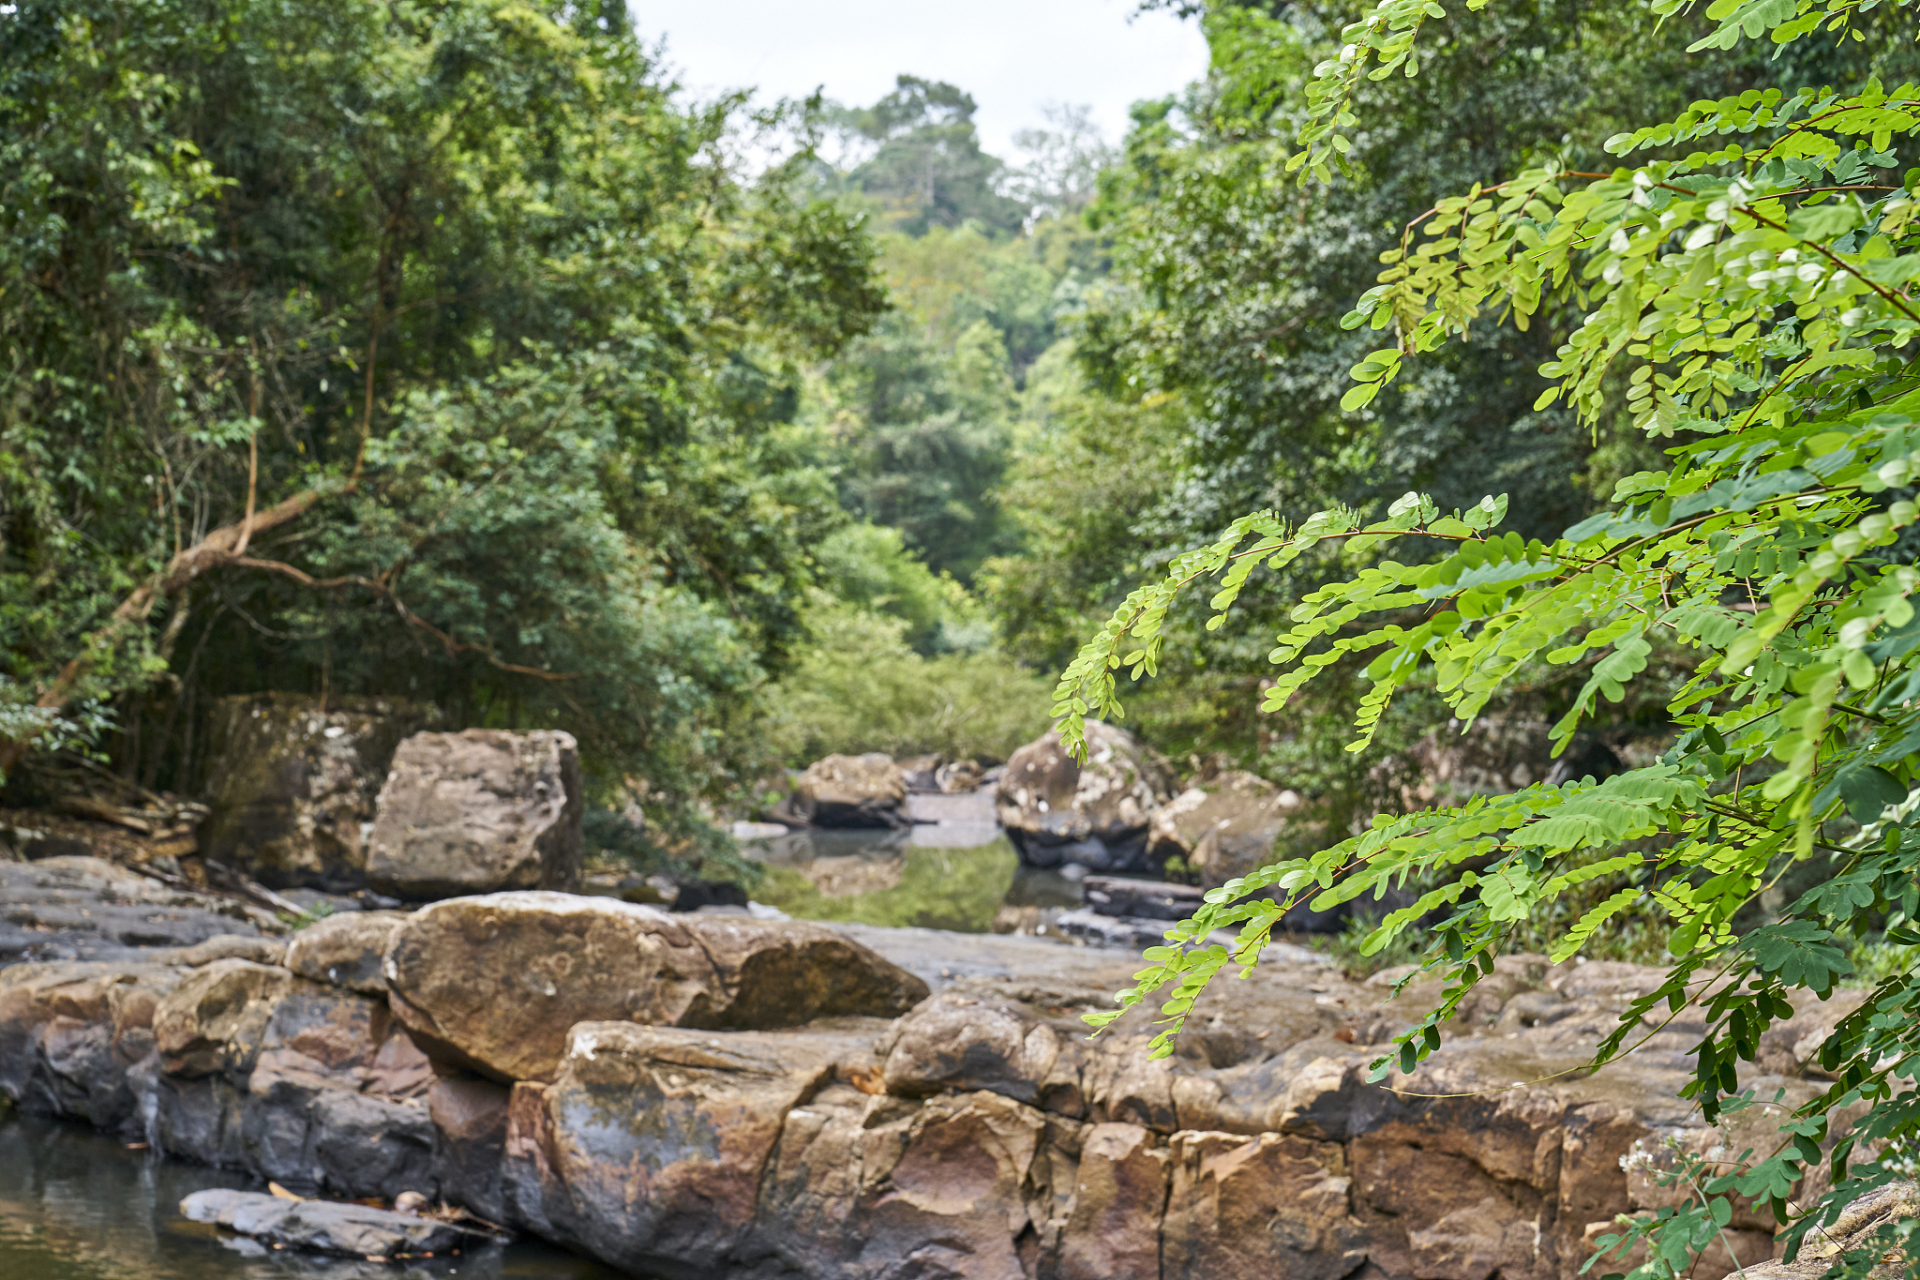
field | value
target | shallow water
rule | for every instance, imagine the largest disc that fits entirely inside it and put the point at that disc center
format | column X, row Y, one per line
column 76, row 1205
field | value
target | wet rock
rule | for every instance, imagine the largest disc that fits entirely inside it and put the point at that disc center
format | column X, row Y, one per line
column 851, row 791
column 325, row 1226
column 84, row 908
column 346, row 950
column 71, row 1035
column 1056, row 811
column 294, row 780
column 478, row 811
column 300, row 1082
column 495, row 983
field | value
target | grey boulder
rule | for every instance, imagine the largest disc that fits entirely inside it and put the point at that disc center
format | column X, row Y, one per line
column 477, row 812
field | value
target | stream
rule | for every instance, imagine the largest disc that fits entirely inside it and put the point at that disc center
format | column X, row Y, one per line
column 77, row 1205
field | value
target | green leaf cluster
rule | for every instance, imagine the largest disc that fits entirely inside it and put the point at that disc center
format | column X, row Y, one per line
column 1746, row 303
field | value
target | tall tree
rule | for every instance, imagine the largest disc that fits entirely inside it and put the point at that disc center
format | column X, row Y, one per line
column 926, row 168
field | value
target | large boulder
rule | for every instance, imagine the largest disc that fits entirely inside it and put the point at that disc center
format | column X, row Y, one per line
column 477, row 812
column 495, row 983
column 293, row 780
column 851, row 791
column 1057, row 811
column 1228, row 825
column 674, row 1170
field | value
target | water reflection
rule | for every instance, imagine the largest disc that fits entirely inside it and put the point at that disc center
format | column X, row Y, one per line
column 75, row 1205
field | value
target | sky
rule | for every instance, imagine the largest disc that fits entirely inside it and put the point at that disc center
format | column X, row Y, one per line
column 1013, row 56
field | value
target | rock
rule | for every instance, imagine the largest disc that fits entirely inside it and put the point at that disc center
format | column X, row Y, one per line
column 71, row 1035
column 1098, row 929
column 1055, row 811
column 1231, row 825
column 83, row 908
column 296, row 1081
column 294, row 781
column 673, row 1171
column 325, row 1226
column 476, row 812
column 1268, row 1205
column 346, row 950
column 1142, row 899
column 961, row 777
column 1853, row 1229
column 1119, row 1200
column 470, row 1131
column 920, row 773
column 495, row 983
column 215, row 1018
column 226, row 946
column 964, row 1043
column 1495, row 755
column 851, row 791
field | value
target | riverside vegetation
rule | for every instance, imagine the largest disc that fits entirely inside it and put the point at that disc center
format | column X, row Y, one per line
column 448, row 352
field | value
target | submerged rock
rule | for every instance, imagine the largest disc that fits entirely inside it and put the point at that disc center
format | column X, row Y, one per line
column 476, row 812
column 1057, row 811
column 495, row 983
column 294, row 780
column 325, row 1226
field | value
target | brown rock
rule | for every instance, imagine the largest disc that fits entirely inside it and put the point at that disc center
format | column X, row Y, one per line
column 478, row 811
column 213, row 1021
column 71, row 1032
column 1267, row 1205
column 1056, row 811
column 851, row 791
column 346, row 950
column 1231, row 825
column 958, row 1042
column 672, row 1169
column 495, row 983
column 1119, row 1198
column 294, row 780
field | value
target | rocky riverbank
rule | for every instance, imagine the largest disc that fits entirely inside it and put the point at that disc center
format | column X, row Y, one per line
column 716, row 1096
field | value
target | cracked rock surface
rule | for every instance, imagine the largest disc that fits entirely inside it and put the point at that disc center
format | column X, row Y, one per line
column 718, row 1096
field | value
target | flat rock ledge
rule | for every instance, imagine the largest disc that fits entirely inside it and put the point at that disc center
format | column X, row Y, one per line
column 778, row 1100
column 326, row 1226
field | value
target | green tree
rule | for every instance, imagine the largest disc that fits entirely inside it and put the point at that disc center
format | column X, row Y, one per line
column 926, row 168
column 420, row 349
column 1741, row 281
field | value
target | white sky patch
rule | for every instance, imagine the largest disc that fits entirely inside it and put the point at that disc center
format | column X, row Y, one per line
column 1013, row 56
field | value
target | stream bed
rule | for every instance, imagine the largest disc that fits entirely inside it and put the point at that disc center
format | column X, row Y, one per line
column 77, row 1205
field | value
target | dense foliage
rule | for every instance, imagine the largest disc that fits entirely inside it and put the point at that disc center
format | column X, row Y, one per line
column 1739, row 283
column 429, row 349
